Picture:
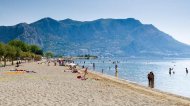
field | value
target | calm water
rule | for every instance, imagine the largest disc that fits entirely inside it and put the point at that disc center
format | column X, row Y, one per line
column 136, row 70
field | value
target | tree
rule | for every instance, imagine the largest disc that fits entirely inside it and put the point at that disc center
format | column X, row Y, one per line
column 24, row 55
column 48, row 55
column 36, row 50
column 18, row 49
column 20, row 44
column 37, row 57
column 10, row 52
column 40, row 52
column 2, row 51
column 18, row 52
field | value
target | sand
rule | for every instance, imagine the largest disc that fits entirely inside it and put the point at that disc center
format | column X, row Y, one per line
column 51, row 86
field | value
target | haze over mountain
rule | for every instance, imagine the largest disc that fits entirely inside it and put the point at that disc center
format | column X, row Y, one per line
column 102, row 37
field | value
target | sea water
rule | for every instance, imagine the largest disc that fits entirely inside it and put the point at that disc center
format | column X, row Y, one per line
column 136, row 70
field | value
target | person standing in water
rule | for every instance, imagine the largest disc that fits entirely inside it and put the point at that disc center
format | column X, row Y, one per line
column 116, row 66
column 116, row 70
column 170, row 71
column 186, row 70
column 102, row 71
column 151, row 79
column 93, row 66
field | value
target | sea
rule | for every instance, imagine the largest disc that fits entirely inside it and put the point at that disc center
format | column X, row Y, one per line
column 136, row 70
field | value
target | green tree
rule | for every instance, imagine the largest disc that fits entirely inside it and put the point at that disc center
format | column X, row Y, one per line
column 2, row 51
column 20, row 44
column 37, row 57
column 18, row 49
column 48, row 55
column 9, row 53
column 36, row 49
column 12, row 53
column 24, row 55
column 18, row 52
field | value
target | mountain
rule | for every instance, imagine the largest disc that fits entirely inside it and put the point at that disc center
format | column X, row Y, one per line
column 102, row 37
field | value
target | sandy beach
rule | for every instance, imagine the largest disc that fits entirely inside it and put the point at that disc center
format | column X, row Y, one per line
column 50, row 85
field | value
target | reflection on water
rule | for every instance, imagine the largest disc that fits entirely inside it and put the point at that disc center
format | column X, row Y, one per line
column 136, row 70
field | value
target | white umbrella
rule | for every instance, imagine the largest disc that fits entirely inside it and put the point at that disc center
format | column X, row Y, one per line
column 72, row 64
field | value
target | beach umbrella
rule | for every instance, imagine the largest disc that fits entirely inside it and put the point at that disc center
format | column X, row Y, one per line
column 72, row 64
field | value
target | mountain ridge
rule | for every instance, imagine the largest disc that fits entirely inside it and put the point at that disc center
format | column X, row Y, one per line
column 103, row 37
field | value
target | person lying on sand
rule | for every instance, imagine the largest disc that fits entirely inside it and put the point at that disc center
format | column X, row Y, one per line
column 74, row 70
column 24, row 71
column 30, row 71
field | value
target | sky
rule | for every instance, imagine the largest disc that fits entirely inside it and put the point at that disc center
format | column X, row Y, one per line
column 169, row 16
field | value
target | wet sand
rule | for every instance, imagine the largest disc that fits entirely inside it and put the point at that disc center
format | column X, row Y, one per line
column 50, row 85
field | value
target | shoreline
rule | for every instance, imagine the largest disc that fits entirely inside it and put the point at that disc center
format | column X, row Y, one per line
column 137, row 70
column 140, row 88
column 50, row 85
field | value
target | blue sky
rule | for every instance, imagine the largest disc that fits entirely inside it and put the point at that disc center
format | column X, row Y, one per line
column 170, row 16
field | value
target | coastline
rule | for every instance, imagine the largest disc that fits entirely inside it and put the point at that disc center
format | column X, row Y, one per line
column 51, row 85
column 141, row 88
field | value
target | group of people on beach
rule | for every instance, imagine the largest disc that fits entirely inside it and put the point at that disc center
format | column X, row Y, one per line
column 71, row 68
column 55, row 62
column 61, row 62
column 81, row 76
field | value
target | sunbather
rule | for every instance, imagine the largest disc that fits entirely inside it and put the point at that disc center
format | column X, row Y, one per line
column 84, row 76
column 74, row 70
